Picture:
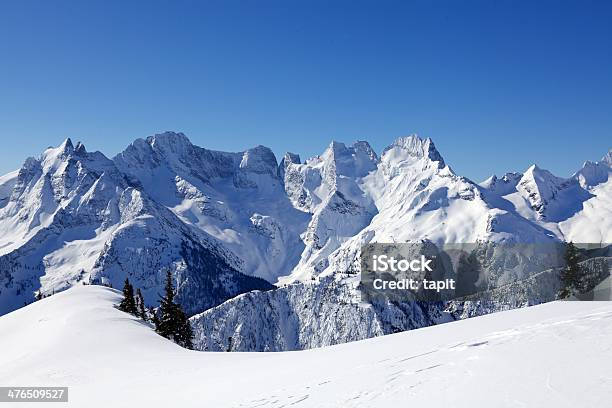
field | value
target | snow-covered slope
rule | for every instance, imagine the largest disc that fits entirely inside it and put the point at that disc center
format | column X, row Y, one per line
column 553, row 355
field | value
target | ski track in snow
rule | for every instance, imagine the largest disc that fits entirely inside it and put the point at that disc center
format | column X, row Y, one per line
column 552, row 355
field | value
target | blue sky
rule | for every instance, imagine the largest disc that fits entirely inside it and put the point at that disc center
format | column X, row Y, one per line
column 496, row 84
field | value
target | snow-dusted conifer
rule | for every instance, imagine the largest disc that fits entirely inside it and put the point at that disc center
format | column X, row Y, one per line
column 570, row 276
column 128, row 303
column 172, row 321
column 142, row 313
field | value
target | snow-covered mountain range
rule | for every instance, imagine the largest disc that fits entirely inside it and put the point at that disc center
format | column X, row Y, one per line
column 230, row 226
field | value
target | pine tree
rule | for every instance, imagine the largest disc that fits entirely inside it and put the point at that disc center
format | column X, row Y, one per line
column 128, row 304
column 142, row 313
column 172, row 322
column 137, row 302
column 184, row 333
column 165, row 326
column 154, row 318
column 570, row 275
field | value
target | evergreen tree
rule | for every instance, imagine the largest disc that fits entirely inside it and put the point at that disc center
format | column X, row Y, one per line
column 184, row 333
column 137, row 302
column 172, row 322
column 166, row 317
column 154, row 319
column 570, row 275
column 140, row 305
column 128, row 304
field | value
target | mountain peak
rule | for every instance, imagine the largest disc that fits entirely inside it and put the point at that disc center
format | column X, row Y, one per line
column 544, row 191
column 259, row 159
column 66, row 146
column 163, row 140
column 364, row 147
column 502, row 185
column 292, row 158
column 417, row 147
column 356, row 160
column 336, row 146
column 534, row 169
column 607, row 158
column 594, row 173
column 53, row 156
column 80, row 148
column 409, row 149
column 541, row 175
column 287, row 160
column 489, row 181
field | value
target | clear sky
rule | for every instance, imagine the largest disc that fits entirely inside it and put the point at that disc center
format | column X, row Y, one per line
column 496, row 84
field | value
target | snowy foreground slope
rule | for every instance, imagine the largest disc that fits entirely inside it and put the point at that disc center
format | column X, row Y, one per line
column 552, row 355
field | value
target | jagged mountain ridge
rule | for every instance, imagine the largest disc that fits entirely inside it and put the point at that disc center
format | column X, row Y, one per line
column 163, row 202
column 73, row 216
column 416, row 196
